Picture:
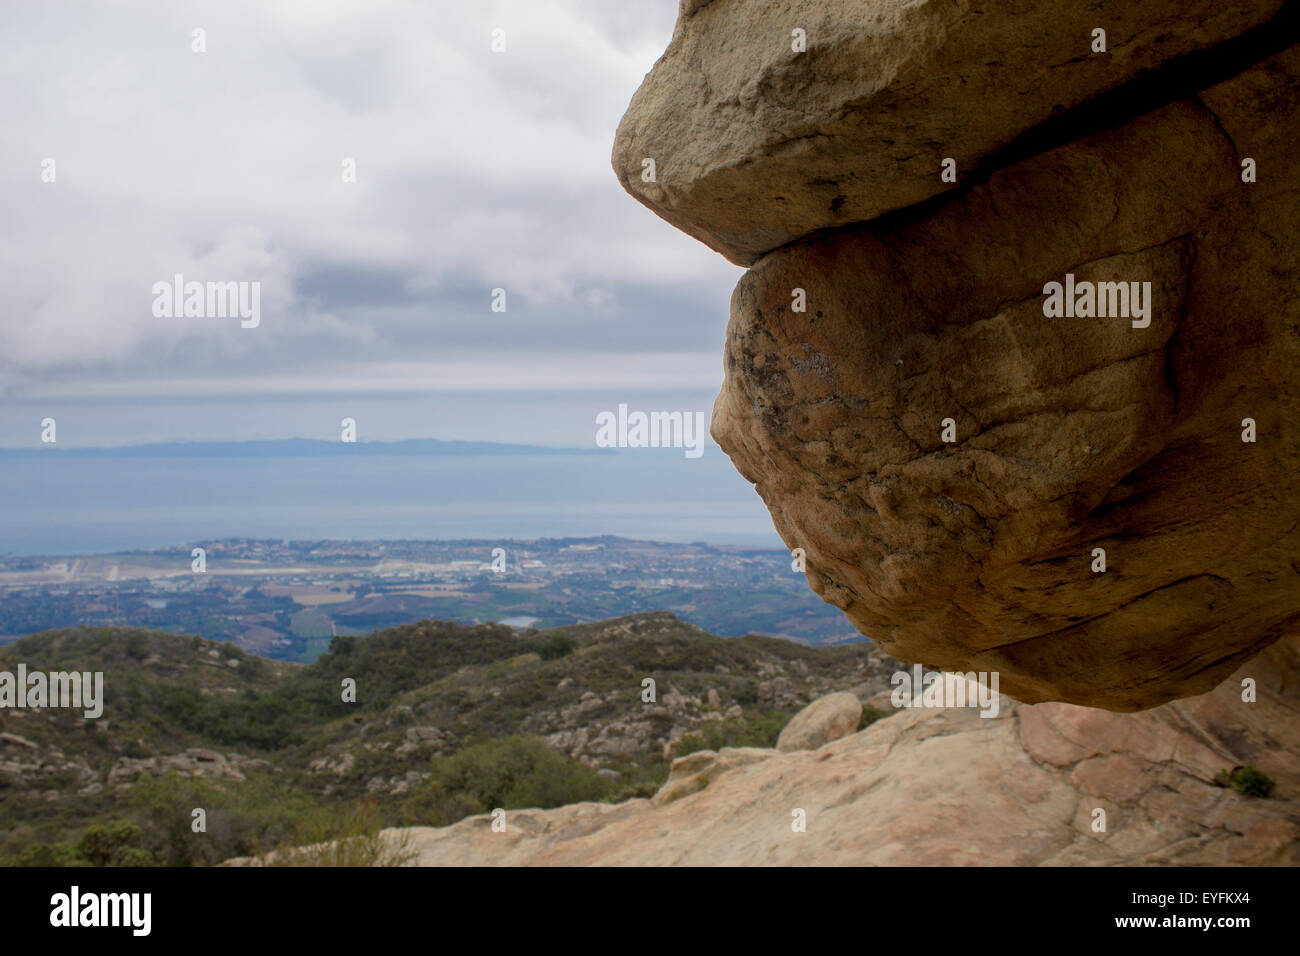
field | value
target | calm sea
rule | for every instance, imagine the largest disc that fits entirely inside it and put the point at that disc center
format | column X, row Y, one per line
column 99, row 505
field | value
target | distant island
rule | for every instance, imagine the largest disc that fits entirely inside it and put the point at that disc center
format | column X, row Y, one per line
column 296, row 448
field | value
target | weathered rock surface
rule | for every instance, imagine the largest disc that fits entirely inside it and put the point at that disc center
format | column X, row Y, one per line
column 825, row 719
column 978, row 484
column 756, row 145
column 1071, row 433
column 947, row 787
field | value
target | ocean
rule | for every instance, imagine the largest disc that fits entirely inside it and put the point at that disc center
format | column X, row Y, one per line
column 53, row 506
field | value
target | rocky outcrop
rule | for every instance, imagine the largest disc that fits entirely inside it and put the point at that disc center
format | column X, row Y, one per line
column 756, row 142
column 1101, row 507
column 1045, row 784
column 25, row 765
column 17, row 743
column 194, row 762
column 417, row 739
column 826, row 719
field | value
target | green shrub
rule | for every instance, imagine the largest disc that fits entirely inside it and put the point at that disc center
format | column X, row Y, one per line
column 113, row 844
column 869, row 716
column 549, row 648
column 511, row 773
column 755, row 729
column 44, row 854
column 1247, row 781
column 101, row 844
column 250, row 667
column 351, row 837
column 243, row 818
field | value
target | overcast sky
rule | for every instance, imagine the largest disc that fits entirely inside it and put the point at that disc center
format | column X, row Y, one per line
column 475, row 170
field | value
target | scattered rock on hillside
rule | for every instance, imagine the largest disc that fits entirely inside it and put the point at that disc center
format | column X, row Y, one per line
column 422, row 739
column 194, row 762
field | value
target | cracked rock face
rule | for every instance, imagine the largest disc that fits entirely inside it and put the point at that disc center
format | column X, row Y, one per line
column 756, row 144
column 957, row 464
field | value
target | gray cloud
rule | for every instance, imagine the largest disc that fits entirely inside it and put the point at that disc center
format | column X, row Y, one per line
column 475, row 170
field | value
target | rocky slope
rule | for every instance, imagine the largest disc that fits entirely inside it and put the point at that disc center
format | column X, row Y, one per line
column 587, row 703
column 1044, row 784
column 1103, row 508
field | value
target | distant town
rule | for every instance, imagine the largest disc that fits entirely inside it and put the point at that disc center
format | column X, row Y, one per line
column 289, row 599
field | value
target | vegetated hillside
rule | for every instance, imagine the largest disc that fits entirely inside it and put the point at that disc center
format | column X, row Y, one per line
column 448, row 720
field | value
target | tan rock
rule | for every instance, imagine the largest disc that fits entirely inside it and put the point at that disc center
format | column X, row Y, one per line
column 882, row 701
column 1071, row 433
column 825, row 719
column 695, row 771
column 756, row 145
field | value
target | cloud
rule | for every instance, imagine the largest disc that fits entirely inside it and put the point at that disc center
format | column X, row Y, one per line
column 475, row 170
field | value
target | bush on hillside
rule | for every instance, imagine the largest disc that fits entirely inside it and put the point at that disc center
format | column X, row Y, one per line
column 755, row 729
column 548, row 648
column 350, row 837
column 512, row 773
column 101, row 844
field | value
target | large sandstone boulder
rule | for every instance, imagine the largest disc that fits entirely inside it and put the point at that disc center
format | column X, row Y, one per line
column 756, row 144
column 825, row 719
column 1103, row 509
column 946, row 787
column 1071, row 434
